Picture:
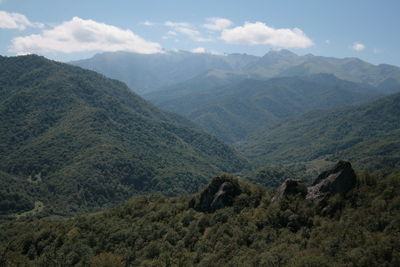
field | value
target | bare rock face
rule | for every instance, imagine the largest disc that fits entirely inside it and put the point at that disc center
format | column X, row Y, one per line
column 338, row 180
column 290, row 187
column 219, row 193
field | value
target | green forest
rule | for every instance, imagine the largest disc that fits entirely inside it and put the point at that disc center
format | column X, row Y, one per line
column 76, row 141
column 91, row 174
column 358, row 229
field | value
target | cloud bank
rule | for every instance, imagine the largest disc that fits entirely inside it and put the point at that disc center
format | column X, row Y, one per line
column 260, row 33
column 16, row 21
column 198, row 50
column 217, row 24
column 78, row 35
column 202, row 50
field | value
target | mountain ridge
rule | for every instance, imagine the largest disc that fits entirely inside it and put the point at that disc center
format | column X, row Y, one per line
column 234, row 111
column 87, row 140
column 175, row 67
column 367, row 134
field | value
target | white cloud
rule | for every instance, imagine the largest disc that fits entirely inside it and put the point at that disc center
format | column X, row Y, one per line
column 198, row 50
column 187, row 29
column 79, row 35
column 202, row 50
column 170, row 35
column 358, row 46
column 217, row 24
column 260, row 33
column 328, row 42
column 16, row 21
column 147, row 23
column 177, row 24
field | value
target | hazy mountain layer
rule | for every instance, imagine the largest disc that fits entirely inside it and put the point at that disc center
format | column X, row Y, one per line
column 146, row 73
column 234, row 111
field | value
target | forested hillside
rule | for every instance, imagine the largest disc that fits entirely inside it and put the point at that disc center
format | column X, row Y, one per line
column 233, row 96
column 360, row 228
column 235, row 110
column 186, row 134
column 368, row 135
column 73, row 140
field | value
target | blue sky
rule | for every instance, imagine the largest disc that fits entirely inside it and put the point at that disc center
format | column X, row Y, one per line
column 69, row 30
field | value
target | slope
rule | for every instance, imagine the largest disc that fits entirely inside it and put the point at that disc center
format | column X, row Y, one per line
column 368, row 135
column 80, row 140
column 359, row 229
column 234, row 111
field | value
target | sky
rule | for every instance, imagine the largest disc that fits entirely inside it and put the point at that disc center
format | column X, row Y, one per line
column 72, row 30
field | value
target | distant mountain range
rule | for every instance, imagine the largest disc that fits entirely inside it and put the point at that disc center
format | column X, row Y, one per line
column 233, row 96
column 286, row 63
column 235, row 111
column 76, row 140
column 147, row 73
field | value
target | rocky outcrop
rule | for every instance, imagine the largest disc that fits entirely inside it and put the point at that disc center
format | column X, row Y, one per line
column 338, row 180
column 219, row 193
column 290, row 187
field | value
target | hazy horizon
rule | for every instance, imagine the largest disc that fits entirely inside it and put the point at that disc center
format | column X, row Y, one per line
column 75, row 30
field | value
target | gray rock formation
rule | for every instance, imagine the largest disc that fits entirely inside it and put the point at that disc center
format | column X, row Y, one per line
column 338, row 180
column 218, row 194
column 290, row 187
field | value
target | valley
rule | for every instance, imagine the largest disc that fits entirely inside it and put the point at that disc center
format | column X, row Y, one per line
column 199, row 133
column 197, row 159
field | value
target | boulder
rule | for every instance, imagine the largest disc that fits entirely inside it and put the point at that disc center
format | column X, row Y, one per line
column 338, row 180
column 219, row 193
column 290, row 187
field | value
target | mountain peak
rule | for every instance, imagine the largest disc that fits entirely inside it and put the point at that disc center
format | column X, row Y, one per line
column 280, row 53
column 279, row 56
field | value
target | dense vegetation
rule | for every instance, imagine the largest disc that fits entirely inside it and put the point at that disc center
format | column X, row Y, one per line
column 368, row 135
column 232, row 112
column 75, row 140
column 360, row 229
column 232, row 96
column 270, row 176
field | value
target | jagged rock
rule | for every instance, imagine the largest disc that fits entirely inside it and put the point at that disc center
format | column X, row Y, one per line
column 338, row 180
column 219, row 193
column 289, row 188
